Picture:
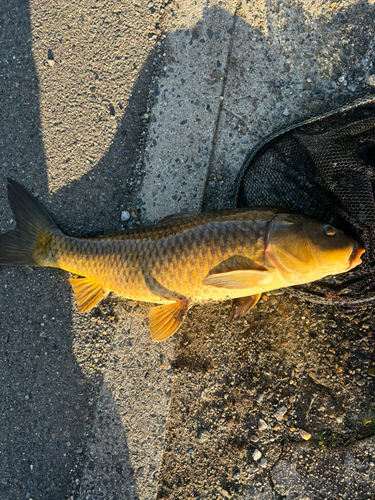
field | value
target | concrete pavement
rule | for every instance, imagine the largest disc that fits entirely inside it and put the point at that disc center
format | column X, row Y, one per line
column 121, row 417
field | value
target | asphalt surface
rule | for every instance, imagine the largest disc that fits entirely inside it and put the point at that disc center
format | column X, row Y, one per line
column 74, row 85
column 151, row 109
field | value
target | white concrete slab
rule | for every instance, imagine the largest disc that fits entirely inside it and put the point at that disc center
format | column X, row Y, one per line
column 187, row 103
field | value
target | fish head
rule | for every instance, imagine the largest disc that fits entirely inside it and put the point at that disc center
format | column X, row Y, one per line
column 305, row 249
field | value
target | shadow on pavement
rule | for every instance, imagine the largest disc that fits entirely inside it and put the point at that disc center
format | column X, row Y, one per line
column 46, row 401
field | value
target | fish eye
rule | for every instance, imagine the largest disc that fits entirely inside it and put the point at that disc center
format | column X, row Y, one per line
column 329, row 230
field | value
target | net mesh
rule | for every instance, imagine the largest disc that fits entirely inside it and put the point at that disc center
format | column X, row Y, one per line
column 324, row 167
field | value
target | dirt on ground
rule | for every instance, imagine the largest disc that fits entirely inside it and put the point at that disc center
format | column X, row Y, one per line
column 288, row 372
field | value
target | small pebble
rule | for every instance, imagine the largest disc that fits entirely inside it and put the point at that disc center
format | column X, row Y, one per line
column 262, row 425
column 203, row 436
column 260, row 398
column 279, row 415
column 125, row 215
column 304, row 434
column 371, row 81
column 256, row 455
column 292, row 428
column 50, row 58
column 254, row 438
column 339, row 420
column 224, row 493
column 359, row 381
column 276, row 428
column 263, row 462
column 286, row 112
column 371, row 371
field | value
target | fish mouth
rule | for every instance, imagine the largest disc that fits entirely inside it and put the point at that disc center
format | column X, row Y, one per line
column 355, row 257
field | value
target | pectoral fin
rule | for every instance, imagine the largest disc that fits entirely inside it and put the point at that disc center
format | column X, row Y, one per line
column 242, row 306
column 87, row 293
column 165, row 320
column 237, row 280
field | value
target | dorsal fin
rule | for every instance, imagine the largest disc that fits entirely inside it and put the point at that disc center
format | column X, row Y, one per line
column 87, row 293
column 175, row 217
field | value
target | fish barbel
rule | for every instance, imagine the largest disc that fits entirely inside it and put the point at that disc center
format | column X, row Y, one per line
column 183, row 259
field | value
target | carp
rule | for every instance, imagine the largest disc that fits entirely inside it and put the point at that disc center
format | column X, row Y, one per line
column 186, row 258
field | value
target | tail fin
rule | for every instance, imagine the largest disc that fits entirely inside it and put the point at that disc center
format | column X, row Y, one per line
column 33, row 226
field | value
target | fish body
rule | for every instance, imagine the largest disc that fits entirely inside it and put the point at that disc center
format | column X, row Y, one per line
column 167, row 261
column 183, row 259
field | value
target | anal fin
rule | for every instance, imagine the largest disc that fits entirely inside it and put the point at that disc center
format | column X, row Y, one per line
column 87, row 293
column 165, row 320
column 242, row 306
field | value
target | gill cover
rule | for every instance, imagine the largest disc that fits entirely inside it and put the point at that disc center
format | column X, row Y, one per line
column 288, row 248
column 303, row 248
